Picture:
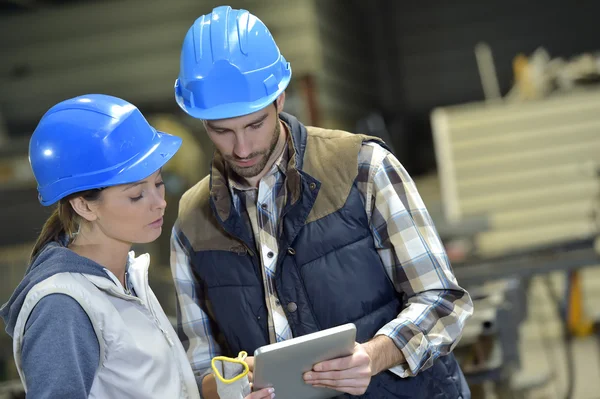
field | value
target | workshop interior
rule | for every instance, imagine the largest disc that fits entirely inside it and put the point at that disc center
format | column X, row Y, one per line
column 492, row 107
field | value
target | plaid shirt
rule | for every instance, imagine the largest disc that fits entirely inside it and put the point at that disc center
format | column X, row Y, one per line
column 436, row 309
column 263, row 221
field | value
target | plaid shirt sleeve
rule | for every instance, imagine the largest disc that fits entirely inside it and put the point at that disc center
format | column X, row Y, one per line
column 435, row 306
column 193, row 324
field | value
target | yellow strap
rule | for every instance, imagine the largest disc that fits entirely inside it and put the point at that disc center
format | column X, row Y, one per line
column 239, row 360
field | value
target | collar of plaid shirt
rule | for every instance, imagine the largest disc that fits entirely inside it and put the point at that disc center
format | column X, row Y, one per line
column 281, row 164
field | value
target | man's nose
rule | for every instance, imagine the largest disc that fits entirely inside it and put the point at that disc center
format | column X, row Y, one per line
column 241, row 148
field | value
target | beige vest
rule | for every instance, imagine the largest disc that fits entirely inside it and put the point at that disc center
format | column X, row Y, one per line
column 330, row 156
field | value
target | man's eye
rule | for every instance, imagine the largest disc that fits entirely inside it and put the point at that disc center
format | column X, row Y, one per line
column 256, row 126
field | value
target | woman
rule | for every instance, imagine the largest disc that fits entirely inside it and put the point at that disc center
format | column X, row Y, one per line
column 84, row 320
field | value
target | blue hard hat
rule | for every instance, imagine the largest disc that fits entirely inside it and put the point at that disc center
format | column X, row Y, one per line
column 230, row 66
column 94, row 141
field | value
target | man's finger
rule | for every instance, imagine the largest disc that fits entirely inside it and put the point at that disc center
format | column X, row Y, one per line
column 337, row 384
column 341, row 363
column 357, row 372
column 326, row 375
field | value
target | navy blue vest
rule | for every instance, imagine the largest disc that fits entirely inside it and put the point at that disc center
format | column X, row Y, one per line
column 328, row 271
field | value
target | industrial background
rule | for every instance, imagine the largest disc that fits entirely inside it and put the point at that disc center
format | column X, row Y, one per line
column 493, row 107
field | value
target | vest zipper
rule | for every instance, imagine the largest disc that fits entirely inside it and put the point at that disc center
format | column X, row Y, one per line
column 149, row 307
column 156, row 321
column 171, row 344
column 127, row 297
column 173, row 350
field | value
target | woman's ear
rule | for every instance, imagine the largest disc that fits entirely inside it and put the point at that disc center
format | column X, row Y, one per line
column 83, row 209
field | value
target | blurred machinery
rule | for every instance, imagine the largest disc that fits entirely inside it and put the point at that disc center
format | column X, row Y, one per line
column 531, row 168
column 524, row 173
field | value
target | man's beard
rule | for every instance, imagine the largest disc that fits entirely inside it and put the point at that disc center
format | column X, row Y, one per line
column 254, row 170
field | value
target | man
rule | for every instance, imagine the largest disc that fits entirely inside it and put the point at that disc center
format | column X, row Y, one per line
column 298, row 229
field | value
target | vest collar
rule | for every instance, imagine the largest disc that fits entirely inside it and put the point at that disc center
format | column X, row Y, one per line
column 137, row 269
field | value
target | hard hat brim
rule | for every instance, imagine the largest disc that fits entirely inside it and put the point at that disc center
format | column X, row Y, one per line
column 233, row 110
column 138, row 168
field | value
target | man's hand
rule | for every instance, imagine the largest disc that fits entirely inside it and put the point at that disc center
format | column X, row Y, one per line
column 350, row 374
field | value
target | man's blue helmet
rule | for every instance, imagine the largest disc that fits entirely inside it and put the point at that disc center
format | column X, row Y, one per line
column 230, row 66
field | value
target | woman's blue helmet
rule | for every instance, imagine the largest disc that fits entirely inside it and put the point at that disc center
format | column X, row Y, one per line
column 94, row 141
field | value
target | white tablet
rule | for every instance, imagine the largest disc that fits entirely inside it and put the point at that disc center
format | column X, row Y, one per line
column 283, row 364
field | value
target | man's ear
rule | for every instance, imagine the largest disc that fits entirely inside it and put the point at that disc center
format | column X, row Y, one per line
column 280, row 102
column 83, row 209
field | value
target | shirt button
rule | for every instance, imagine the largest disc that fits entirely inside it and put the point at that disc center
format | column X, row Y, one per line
column 263, row 206
column 270, row 254
column 312, row 186
column 292, row 307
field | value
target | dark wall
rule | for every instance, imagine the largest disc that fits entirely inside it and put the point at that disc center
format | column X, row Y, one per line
column 426, row 54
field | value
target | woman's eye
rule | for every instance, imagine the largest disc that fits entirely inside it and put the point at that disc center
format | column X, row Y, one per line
column 162, row 183
column 137, row 198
